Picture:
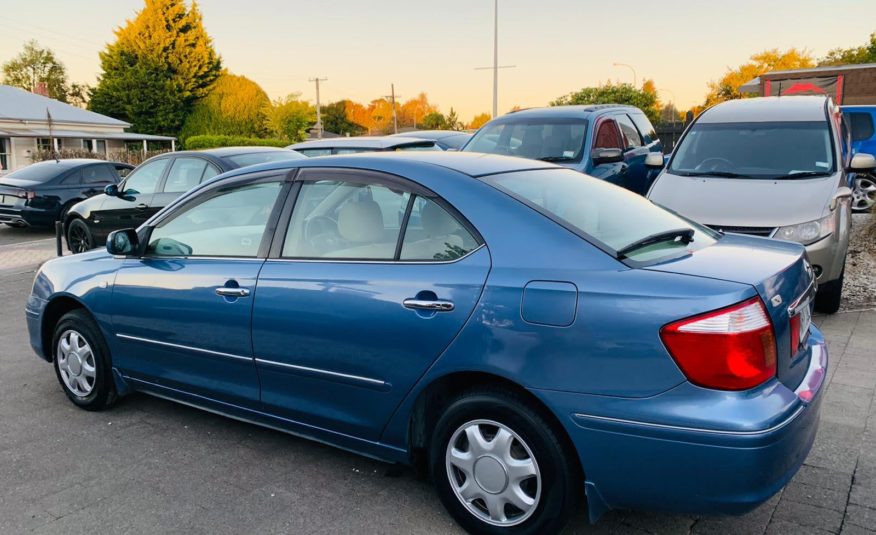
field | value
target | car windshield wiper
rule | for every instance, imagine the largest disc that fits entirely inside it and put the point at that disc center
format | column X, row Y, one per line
column 803, row 174
column 720, row 174
column 556, row 159
column 683, row 235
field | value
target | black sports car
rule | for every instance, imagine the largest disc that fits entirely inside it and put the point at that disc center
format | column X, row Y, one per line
column 42, row 193
column 152, row 186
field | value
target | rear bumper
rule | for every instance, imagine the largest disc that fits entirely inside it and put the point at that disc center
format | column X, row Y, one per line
column 28, row 217
column 693, row 450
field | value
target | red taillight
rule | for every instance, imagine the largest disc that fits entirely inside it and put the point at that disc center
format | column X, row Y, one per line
column 732, row 348
column 29, row 195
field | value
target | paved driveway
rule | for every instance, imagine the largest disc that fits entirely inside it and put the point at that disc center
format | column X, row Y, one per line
column 151, row 466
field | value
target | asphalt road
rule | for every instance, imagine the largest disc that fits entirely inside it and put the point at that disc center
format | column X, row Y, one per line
column 152, row 466
column 10, row 235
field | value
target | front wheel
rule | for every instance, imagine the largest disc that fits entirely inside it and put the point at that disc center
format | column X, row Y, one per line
column 79, row 238
column 864, row 193
column 82, row 362
column 499, row 466
column 830, row 295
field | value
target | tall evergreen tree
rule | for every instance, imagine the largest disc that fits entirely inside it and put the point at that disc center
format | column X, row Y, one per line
column 161, row 62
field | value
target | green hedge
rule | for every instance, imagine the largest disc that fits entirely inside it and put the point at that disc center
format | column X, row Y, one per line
column 212, row 142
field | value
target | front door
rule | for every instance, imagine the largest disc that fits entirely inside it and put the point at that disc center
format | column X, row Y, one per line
column 373, row 280
column 185, row 173
column 133, row 205
column 635, row 152
column 182, row 312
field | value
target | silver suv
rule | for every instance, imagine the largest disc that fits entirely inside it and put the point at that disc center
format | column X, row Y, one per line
column 774, row 167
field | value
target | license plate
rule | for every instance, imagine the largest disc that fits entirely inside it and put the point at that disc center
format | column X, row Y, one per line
column 805, row 320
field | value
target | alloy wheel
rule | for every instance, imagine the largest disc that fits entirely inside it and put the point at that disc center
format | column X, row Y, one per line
column 76, row 363
column 864, row 194
column 79, row 239
column 493, row 473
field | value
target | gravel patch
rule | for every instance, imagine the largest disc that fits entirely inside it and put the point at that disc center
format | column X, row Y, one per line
column 859, row 288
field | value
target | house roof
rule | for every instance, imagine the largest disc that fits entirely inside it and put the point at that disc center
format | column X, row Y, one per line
column 19, row 105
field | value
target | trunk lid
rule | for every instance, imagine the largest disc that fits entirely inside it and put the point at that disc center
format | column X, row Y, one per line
column 778, row 270
column 11, row 193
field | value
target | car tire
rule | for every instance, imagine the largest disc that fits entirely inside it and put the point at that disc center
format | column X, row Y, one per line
column 82, row 362
column 79, row 237
column 830, row 295
column 533, row 446
column 864, row 193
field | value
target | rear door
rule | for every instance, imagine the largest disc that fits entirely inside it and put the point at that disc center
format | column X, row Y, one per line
column 635, row 151
column 369, row 279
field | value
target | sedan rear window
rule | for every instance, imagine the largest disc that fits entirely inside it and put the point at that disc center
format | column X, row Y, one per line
column 38, row 172
column 608, row 216
column 550, row 140
column 253, row 158
column 768, row 150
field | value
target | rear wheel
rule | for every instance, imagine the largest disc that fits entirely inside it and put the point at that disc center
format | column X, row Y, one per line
column 82, row 363
column 79, row 238
column 830, row 295
column 499, row 467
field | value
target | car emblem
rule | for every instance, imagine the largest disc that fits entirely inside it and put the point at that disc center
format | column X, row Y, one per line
column 776, row 300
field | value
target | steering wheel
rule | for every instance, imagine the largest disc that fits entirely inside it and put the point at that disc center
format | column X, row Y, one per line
column 715, row 164
column 321, row 233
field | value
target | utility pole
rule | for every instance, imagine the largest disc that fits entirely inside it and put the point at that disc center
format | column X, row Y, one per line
column 392, row 96
column 318, row 110
column 496, row 65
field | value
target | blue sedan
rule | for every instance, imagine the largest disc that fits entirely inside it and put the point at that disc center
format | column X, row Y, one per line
column 522, row 332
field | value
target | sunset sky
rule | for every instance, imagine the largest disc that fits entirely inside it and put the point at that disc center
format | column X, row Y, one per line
column 558, row 46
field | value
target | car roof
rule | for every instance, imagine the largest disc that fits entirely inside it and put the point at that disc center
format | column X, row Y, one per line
column 767, row 109
column 577, row 110
column 469, row 163
column 70, row 163
column 363, row 142
column 222, row 152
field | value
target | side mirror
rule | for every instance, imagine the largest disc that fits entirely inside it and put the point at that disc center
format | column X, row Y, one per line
column 841, row 193
column 122, row 242
column 601, row 156
column 862, row 162
column 654, row 160
column 112, row 190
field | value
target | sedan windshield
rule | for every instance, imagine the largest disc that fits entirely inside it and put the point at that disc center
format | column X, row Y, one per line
column 780, row 150
column 553, row 140
column 620, row 222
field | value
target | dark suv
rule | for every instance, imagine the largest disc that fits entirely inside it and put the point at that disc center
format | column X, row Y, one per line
column 607, row 141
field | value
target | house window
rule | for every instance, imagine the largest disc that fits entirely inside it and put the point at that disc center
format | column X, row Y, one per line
column 4, row 154
column 89, row 145
column 44, row 144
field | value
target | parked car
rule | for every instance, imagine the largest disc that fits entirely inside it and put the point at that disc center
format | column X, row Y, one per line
column 42, row 193
column 861, row 120
column 606, row 141
column 152, row 186
column 521, row 331
column 773, row 167
column 351, row 145
column 445, row 139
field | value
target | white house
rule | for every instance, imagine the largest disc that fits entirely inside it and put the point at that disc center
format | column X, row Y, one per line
column 24, row 128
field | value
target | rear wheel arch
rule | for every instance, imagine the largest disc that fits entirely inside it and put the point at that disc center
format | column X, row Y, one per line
column 54, row 311
column 433, row 399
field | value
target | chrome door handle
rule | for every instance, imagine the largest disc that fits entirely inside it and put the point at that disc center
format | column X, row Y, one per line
column 142, row 206
column 421, row 304
column 232, row 292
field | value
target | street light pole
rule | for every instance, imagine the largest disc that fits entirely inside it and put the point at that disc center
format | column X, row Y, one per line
column 630, row 67
column 496, row 65
column 318, row 110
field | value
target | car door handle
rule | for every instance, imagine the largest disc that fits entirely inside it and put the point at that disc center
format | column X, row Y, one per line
column 142, row 206
column 225, row 291
column 422, row 304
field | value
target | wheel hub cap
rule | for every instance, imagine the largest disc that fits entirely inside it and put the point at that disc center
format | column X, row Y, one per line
column 490, row 474
column 76, row 363
column 493, row 473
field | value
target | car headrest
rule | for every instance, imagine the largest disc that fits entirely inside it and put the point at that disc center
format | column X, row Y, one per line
column 361, row 221
column 436, row 221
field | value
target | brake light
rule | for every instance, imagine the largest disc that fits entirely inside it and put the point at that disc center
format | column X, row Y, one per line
column 29, row 195
column 732, row 348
